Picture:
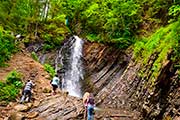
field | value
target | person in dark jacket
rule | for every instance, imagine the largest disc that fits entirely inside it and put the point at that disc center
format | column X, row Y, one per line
column 26, row 94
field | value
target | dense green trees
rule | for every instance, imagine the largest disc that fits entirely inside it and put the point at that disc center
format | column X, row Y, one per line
column 102, row 20
column 106, row 21
column 117, row 22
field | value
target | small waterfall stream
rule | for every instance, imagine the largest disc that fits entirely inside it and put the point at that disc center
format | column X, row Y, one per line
column 71, row 54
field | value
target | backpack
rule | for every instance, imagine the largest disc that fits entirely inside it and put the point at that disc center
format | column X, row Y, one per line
column 91, row 101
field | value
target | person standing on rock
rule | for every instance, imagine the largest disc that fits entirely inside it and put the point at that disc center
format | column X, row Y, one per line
column 55, row 82
column 26, row 94
column 90, row 107
column 85, row 103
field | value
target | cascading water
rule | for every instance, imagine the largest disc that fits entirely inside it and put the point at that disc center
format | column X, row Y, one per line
column 72, row 65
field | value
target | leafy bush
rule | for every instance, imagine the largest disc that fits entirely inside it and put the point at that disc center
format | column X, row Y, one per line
column 14, row 78
column 174, row 12
column 10, row 89
column 92, row 37
column 8, row 92
column 47, row 47
column 34, row 56
column 53, row 34
column 7, row 46
column 49, row 69
column 116, row 21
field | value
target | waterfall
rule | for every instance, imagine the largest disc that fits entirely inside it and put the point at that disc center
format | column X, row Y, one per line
column 72, row 64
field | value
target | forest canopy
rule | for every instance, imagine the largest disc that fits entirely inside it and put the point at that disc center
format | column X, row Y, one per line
column 115, row 22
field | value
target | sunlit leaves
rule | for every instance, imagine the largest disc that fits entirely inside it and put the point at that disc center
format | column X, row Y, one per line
column 174, row 11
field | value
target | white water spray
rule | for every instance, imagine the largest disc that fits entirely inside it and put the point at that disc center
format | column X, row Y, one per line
column 75, row 72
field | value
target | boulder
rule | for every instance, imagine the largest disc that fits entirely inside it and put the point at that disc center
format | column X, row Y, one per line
column 47, row 90
column 177, row 118
column 32, row 115
column 16, row 116
column 36, row 103
column 29, row 105
column 3, row 103
column 21, row 108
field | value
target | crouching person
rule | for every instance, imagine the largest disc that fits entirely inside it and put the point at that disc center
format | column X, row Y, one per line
column 55, row 82
column 26, row 94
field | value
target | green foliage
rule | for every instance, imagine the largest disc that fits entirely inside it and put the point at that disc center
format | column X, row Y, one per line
column 93, row 37
column 34, row 56
column 49, row 69
column 174, row 11
column 53, row 34
column 8, row 93
column 123, row 42
column 10, row 89
column 15, row 15
column 110, row 20
column 100, row 21
column 106, row 21
column 28, row 18
column 47, row 47
column 14, row 78
column 7, row 46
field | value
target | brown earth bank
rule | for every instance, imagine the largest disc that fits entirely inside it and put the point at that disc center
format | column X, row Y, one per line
column 30, row 69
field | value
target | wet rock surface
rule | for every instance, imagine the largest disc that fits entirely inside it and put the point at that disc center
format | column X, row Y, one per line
column 64, row 107
column 59, row 107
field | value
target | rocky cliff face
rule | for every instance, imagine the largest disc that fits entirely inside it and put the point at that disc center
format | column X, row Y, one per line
column 106, row 67
column 104, row 64
column 154, row 99
column 122, row 82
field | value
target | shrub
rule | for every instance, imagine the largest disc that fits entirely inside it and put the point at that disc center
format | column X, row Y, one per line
column 47, row 47
column 10, row 89
column 34, row 56
column 8, row 92
column 49, row 69
column 7, row 46
column 14, row 78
